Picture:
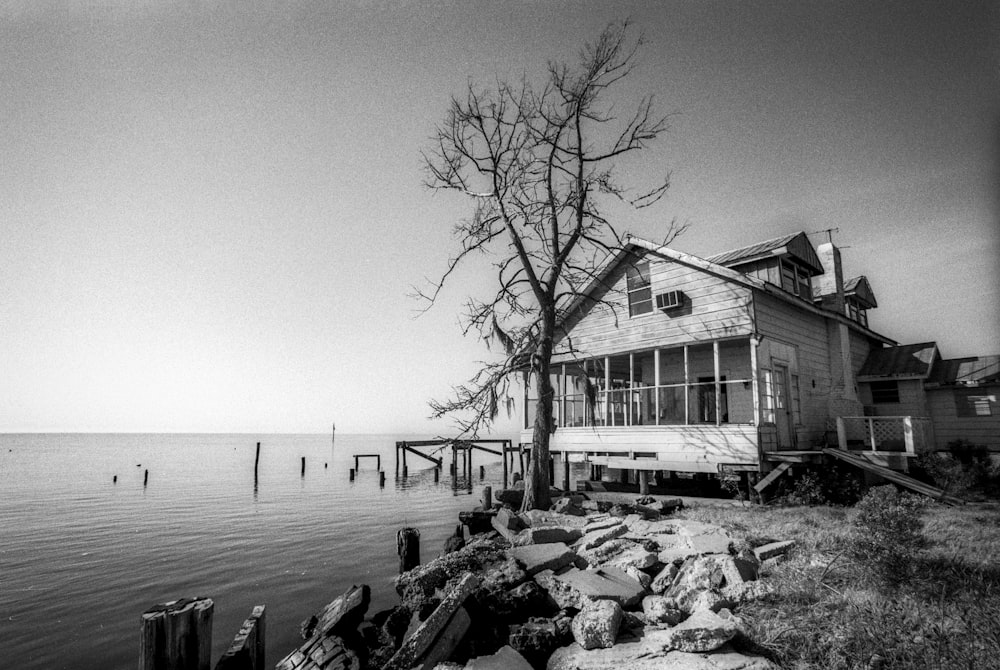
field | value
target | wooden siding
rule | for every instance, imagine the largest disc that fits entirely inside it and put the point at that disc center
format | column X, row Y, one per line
column 800, row 339
column 714, row 308
column 948, row 426
column 698, row 448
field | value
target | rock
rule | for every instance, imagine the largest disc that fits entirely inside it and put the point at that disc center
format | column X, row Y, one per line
column 702, row 631
column 632, row 622
column 712, row 600
column 420, row 583
column 513, row 605
column 597, row 624
column 538, row 557
column 536, row 639
column 505, row 659
column 569, row 506
column 698, row 574
column 774, row 549
column 645, row 652
column 546, row 535
column 661, row 610
column 596, row 538
column 600, row 522
column 663, row 580
column 746, row 592
column 561, row 593
column 639, row 576
column 456, row 541
column 504, row 574
column 600, row 584
column 738, row 569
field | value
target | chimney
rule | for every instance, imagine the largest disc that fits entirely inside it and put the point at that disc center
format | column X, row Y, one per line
column 830, row 284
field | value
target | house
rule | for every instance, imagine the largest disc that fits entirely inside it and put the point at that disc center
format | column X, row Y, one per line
column 742, row 361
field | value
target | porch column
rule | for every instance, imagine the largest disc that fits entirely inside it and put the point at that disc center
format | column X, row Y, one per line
column 718, row 384
column 687, row 390
column 754, row 381
column 563, row 390
column 908, row 434
column 656, row 384
column 607, row 391
column 629, row 419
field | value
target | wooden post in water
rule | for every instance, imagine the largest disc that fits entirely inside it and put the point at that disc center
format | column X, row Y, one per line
column 303, row 466
column 487, row 498
column 247, row 650
column 381, row 478
column 352, row 474
column 145, row 479
column 408, row 548
column 256, row 462
column 482, row 472
column 437, row 474
column 177, row 635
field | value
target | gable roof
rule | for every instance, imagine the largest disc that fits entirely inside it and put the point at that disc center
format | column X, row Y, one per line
column 971, row 371
column 796, row 245
column 856, row 287
column 635, row 246
column 907, row 360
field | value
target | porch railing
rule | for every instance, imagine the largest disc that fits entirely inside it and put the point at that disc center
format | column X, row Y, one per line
column 905, row 434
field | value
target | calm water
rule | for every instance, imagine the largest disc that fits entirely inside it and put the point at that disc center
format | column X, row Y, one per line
column 81, row 557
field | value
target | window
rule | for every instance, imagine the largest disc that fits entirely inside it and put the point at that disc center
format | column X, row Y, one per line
column 885, row 393
column 973, row 402
column 856, row 312
column 796, row 280
column 640, row 294
column 706, row 400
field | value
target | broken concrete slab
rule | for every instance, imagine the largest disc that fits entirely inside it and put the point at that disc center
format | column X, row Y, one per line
column 341, row 615
column 663, row 580
column 595, row 538
column 602, row 584
column 596, row 626
column 570, row 505
column 505, row 659
column 414, row 647
column 645, row 652
column 447, row 640
column 538, row 557
column 746, row 592
column 536, row 518
column 773, row 549
column 546, row 535
column 703, row 631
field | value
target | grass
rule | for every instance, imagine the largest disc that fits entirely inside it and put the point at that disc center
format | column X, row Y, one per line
column 833, row 612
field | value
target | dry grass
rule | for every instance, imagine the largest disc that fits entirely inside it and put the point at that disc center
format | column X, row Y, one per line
column 832, row 612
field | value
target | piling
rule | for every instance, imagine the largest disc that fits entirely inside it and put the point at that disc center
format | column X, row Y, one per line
column 437, row 475
column 482, row 472
column 381, row 478
column 303, row 466
column 406, row 471
column 177, row 635
column 145, row 478
column 352, row 474
column 408, row 548
column 114, row 480
column 487, row 497
column 247, row 650
column 256, row 462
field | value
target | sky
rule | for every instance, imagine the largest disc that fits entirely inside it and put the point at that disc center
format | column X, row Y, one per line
column 212, row 213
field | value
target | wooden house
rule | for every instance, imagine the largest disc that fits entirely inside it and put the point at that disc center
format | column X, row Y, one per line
column 741, row 361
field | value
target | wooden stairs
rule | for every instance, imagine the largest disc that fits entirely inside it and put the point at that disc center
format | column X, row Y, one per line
column 906, row 481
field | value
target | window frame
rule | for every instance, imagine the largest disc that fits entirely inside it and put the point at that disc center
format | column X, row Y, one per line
column 968, row 402
column 884, row 391
column 638, row 281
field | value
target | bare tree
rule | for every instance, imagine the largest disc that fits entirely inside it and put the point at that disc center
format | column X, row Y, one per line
column 535, row 164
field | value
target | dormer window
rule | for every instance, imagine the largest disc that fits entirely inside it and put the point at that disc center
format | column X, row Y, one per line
column 856, row 312
column 795, row 279
column 640, row 292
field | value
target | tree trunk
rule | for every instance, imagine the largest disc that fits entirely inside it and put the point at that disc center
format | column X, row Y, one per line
column 536, row 484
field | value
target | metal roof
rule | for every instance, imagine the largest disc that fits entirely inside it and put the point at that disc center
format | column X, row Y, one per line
column 907, row 360
column 970, row 371
column 796, row 244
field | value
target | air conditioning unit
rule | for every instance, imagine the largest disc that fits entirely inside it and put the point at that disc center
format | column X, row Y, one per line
column 669, row 300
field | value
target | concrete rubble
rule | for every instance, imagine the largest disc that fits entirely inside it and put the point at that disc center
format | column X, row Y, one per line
column 582, row 586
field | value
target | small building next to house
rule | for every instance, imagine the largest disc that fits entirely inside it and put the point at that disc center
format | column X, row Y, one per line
column 747, row 359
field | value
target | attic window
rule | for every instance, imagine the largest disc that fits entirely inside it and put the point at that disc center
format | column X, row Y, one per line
column 796, row 280
column 885, row 393
column 640, row 293
column 855, row 311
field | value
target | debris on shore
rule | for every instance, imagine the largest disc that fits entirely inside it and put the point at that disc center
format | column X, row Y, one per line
column 586, row 585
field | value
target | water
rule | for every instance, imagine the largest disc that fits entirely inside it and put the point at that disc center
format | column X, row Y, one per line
column 82, row 557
